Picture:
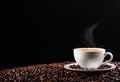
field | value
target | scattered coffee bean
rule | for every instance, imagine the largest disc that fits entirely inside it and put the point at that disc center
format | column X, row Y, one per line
column 76, row 67
column 104, row 67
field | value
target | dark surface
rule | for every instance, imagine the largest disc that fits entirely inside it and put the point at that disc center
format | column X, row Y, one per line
column 56, row 29
column 55, row 72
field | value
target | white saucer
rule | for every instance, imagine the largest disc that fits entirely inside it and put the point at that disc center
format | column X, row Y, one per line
column 67, row 66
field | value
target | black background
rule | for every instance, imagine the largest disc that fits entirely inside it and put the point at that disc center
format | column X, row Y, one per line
column 56, row 32
column 57, row 26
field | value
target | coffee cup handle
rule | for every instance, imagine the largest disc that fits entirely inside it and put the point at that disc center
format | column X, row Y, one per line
column 111, row 57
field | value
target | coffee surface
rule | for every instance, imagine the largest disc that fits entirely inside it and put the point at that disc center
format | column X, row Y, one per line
column 89, row 50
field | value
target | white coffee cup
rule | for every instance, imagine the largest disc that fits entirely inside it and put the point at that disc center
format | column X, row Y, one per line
column 91, row 57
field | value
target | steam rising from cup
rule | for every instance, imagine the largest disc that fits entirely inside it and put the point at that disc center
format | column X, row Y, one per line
column 87, row 35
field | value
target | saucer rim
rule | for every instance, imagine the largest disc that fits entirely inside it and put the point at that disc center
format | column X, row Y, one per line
column 113, row 66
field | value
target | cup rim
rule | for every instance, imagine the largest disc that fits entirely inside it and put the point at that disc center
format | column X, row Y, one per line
column 78, row 49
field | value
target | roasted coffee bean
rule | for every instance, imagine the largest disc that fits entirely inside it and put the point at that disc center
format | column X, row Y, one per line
column 55, row 72
column 104, row 67
column 76, row 67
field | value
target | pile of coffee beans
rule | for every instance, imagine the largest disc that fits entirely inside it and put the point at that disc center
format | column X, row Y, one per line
column 55, row 72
